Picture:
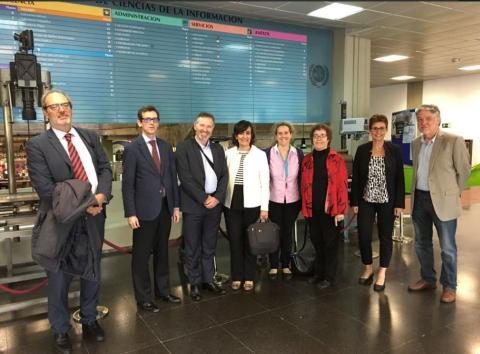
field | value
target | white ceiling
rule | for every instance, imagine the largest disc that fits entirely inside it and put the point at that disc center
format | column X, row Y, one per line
column 430, row 33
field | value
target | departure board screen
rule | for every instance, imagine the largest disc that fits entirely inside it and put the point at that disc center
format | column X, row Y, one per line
column 111, row 61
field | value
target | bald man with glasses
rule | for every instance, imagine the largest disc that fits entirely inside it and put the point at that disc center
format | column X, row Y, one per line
column 441, row 168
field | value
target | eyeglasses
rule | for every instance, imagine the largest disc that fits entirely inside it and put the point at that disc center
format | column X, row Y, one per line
column 319, row 136
column 150, row 120
column 56, row 106
column 378, row 129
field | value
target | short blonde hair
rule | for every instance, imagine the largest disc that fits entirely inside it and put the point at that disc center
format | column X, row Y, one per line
column 283, row 124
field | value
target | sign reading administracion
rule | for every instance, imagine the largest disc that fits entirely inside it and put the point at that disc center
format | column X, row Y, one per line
column 172, row 10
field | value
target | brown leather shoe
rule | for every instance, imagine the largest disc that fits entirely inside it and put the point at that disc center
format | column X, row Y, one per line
column 448, row 296
column 421, row 285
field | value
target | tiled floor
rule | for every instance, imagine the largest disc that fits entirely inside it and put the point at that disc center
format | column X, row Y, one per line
column 282, row 316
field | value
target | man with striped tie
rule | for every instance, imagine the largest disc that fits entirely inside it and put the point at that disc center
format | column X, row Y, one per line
column 63, row 153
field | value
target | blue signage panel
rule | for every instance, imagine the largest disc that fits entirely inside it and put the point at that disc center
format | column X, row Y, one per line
column 113, row 60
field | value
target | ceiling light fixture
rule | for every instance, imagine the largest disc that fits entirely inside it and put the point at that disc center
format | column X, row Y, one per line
column 470, row 68
column 335, row 11
column 390, row 58
column 403, row 77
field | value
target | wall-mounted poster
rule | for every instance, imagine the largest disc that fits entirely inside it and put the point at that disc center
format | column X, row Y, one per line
column 404, row 130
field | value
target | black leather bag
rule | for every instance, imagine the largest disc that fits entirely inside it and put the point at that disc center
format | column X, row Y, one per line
column 263, row 237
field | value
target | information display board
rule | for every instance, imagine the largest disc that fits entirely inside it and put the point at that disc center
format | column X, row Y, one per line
column 111, row 61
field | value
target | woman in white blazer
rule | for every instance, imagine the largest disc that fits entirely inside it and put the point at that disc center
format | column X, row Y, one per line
column 247, row 198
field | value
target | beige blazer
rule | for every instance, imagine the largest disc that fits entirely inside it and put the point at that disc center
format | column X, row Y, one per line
column 448, row 172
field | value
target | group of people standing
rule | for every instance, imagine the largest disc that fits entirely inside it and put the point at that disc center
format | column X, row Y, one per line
column 247, row 184
column 250, row 184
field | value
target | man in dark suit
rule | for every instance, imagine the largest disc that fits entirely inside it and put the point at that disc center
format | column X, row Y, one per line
column 151, row 202
column 203, row 175
column 61, row 153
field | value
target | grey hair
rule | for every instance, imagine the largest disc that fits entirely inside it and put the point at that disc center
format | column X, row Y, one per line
column 49, row 92
column 430, row 108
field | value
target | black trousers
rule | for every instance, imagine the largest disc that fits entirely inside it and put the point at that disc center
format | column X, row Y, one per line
column 284, row 215
column 151, row 237
column 325, row 239
column 243, row 263
column 385, row 219
column 200, row 233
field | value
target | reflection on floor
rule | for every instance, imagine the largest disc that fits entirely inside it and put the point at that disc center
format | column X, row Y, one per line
column 281, row 316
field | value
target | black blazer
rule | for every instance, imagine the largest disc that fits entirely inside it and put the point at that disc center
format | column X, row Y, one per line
column 393, row 171
column 48, row 163
column 142, row 182
column 191, row 173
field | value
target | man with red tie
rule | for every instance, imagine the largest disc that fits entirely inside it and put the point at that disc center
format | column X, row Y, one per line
column 151, row 203
column 64, row 153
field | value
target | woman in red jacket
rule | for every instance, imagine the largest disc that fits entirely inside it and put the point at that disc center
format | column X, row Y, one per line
column 324, row 202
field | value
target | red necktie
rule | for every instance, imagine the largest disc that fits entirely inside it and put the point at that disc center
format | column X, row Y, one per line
column 155, row 157
column 77, row 165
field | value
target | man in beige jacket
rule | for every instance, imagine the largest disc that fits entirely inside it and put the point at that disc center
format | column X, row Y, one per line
column 440, row 169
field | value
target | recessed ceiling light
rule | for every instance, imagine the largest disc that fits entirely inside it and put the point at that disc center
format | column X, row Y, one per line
column 470, row 68
column 403, row 78
column 335, row 11
column 390, row 58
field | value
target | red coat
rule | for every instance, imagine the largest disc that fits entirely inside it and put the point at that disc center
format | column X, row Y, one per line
column 337, row 187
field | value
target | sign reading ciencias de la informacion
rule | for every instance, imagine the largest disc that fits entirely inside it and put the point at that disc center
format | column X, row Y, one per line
column 120, row 55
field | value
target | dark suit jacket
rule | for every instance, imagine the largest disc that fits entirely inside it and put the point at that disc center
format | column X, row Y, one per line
column 191, row 173
column 48, row 163
column 142, row 183
column 393, row 170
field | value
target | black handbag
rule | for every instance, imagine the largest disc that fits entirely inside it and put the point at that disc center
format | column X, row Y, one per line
column 263, row 237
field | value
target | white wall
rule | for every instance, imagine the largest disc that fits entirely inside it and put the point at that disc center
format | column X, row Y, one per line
column 457, row 97
column 388, row 99
column 459, row 101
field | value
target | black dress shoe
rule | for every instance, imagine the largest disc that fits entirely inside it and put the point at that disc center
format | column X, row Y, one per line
column 93, row 332
column 377, row 287
column 314, row 280
column 170, row 298
column 62, row 343
column 214, row 288
column 324, row 284
column 148, row 306
column 195, row 293
column 366, row 281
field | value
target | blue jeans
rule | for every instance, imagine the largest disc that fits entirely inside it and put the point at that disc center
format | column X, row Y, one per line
column 424, row 217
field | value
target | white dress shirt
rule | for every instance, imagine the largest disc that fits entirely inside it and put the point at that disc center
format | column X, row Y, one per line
column 83, row 153
column 147, row 141
column 211, row 179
